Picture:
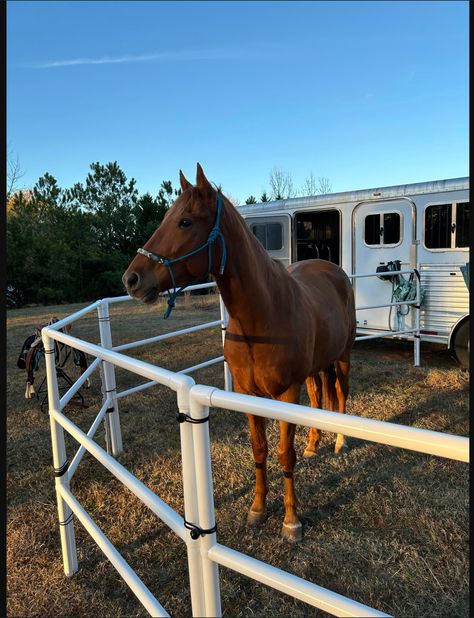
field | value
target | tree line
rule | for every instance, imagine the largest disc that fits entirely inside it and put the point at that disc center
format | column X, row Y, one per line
column 73, row 244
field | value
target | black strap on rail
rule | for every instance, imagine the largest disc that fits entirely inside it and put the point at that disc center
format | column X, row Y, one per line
column 62, row 470
column 67, row 521
column 196, row 531
column 181, row 417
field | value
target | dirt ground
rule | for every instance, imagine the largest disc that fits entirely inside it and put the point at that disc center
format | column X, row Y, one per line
column 384, row 526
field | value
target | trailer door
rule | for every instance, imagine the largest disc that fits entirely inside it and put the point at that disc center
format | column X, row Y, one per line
column 274, row 232
column 381, row 232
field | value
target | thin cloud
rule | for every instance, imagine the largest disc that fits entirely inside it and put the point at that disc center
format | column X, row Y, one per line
column 171, row 56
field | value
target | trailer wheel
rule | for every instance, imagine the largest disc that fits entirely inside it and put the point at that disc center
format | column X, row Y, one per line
column 461, row 344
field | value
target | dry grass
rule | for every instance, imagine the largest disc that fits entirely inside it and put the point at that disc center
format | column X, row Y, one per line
column 384, row 526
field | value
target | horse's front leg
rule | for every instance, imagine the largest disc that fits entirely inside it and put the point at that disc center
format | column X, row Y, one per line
column 292, row 528
column 258, row 511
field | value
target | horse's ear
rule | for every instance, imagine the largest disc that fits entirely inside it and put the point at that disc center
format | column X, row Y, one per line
column 185, row 184
column 202, row 182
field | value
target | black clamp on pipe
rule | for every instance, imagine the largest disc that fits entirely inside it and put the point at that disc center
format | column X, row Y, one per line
column 181, row 417
column 196, row 531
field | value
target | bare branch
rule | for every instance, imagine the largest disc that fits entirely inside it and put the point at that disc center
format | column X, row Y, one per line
column 324, row 185
column 281, row 184
column 311, row 186
column 14, row 173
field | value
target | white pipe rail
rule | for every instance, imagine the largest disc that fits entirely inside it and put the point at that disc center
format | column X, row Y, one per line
column 392, row 333
column 142, row 593
column 383, row 274
column 141, row 387
column 208, row 363
column 383, row 432
column 174, row 381
column 141, row 491
column 176, row 333
column 74, row 316
column 68, row 395
column 312, row 594
column 191, row 288
column 90, row 434
column 416, row 303
column 136, row 389
column 395, row 304
column 203, row 551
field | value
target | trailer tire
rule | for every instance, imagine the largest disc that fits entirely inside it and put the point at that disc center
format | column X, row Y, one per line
column 461, row 344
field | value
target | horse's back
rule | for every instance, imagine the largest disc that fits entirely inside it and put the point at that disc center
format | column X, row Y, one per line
column 322, row 277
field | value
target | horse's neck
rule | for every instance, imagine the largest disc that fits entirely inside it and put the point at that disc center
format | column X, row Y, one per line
column 251, row 279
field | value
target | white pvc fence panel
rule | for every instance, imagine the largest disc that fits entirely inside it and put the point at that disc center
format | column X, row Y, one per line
column 197, row 528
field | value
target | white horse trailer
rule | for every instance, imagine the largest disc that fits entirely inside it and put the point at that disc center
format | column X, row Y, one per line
column 423, row 225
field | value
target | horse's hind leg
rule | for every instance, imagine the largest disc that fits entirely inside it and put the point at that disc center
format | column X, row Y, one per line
column 342, row 391
column 315, row 393
column 292, row 528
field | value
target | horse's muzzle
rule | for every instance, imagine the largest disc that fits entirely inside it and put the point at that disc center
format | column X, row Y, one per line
column 137, row 288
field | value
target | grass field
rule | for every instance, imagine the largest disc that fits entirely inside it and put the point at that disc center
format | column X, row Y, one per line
column 384, row 526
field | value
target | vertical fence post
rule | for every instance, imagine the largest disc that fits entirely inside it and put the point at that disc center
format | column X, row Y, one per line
column 225, row 320
column 416, row 336
column 205, row 496
column 196, row 583
column 109, row 389
column 60, row 463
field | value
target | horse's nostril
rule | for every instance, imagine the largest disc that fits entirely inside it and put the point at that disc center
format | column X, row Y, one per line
column 132, row 280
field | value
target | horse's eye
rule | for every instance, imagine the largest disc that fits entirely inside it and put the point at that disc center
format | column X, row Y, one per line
column 185, row 223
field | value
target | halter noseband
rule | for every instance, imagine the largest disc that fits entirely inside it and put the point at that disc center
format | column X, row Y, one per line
column 214, row 235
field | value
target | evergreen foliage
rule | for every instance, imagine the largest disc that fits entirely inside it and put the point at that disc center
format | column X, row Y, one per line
column 72, row 245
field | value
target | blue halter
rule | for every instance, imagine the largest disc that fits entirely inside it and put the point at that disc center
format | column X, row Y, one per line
column 214, row 235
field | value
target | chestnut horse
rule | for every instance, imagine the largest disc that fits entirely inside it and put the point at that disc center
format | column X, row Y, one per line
column 286, row 326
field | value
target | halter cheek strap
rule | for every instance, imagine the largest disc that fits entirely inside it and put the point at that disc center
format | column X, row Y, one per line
column 214, row 235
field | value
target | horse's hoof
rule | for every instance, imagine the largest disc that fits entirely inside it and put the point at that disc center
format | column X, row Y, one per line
column 309, row 453
column 292, row 532
column 256, row 518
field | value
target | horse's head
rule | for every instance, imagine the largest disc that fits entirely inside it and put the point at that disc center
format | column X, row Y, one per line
column 184, row 247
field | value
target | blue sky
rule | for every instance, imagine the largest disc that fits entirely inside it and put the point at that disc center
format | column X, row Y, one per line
column 366, row 94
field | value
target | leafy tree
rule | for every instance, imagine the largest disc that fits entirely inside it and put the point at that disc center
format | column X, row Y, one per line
column 39, row 256
column 251, row 200
column 264, row 197
column 74, row 244
column 111, row 198
column 149, row 213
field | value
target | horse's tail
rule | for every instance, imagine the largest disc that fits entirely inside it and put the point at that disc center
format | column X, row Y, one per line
column 328, row 379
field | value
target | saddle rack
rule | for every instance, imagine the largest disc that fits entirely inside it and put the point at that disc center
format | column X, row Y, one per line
column 29, row 359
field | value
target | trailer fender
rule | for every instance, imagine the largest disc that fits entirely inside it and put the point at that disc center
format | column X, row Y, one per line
column 459, row 341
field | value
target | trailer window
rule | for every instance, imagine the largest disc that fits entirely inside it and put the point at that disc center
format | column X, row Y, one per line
column 382, row 229
column 438, row 226
column 462, row 224
column 269, row 234
column 447, row 226
column 372, row 230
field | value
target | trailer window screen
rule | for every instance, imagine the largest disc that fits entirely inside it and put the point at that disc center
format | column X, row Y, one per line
column 438, row 226
column 372, row 230
column 269, row 234
column 382, row 229
column 391, row 228
column 462, row 224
